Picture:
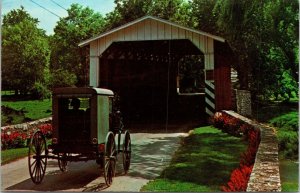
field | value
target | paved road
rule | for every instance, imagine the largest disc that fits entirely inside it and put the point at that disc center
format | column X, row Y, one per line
column 151, row 153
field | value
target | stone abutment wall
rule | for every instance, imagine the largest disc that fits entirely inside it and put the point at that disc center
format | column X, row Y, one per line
column 265, row 175
column 24, row 127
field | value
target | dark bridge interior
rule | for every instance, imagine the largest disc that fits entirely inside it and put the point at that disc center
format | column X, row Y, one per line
column 144, row 75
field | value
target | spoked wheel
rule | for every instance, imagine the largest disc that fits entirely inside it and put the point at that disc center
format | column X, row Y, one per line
column 37, row 157
column 62, row 162
column 126, row 152
column 109, row 158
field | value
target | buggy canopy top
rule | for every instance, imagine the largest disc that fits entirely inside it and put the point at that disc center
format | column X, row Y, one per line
column 83, row 90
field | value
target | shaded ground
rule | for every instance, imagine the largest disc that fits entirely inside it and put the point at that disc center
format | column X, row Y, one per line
column 151, row 154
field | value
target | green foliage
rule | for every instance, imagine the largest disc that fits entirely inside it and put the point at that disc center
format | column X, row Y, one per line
column 288, row 144
column 62, row 78
column 287, row 134
column 80, row 24
column 24, row 51
column 264, row 38
column 39, row 91
column 126, row 11
column 202, row 15
column 288, row 121
column 214, row 155
column 191, row 74
column 10, row 116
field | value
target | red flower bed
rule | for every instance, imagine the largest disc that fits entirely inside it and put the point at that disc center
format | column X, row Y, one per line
column 240, row 176
column 227, row 124
column 238, row 179
column 11, row 138
column 248, row 157
column 46, row 129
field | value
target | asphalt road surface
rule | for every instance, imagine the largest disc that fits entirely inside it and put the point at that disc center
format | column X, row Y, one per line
column 151, row 152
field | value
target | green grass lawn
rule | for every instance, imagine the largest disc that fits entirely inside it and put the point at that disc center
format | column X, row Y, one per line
column 33, row 110
column 203, row 163
column 13, row 154
column 289, row 175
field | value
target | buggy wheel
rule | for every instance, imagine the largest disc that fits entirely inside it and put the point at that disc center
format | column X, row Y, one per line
column 62, row 162
column 109, row 158
column 37, row 157
column 126, row 152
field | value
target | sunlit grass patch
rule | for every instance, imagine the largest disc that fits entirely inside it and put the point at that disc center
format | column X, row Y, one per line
column 31, row 110
column 13, row 154
column 202, row 164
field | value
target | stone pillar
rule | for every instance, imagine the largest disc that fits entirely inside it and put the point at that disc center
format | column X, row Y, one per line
column 243, row 102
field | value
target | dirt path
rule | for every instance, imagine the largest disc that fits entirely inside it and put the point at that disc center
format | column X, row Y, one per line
column 151, row 153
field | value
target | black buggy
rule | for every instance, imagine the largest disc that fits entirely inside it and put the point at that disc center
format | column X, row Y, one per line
column 85, row 125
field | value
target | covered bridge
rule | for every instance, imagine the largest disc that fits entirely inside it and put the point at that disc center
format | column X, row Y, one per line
column 140, row 62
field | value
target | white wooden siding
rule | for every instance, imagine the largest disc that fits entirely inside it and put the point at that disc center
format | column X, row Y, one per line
column 155, row 30
column 149, row 29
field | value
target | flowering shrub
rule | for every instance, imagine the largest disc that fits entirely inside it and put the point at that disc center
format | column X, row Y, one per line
column 11, row 138
column 227, row 124
column 46, row 129
column 248, row 157
column 240, row 176
column 238, row 179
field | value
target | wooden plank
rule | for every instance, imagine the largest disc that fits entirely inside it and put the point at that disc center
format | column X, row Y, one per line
column 168, row 31
column 161, row 30
column 102, row 46
column 141, row 30
column 98, row 47
column 202, row 43
column 154, row 33
column 122, row 35
column 94, row 71
column 134, row 32
column 147, row 30
column 174, row 32
column 94, row 48
column 108, row 40
column 210, row 45
column 181, row 33
column 127, row 33
column 222, row 83
column 189, row 35
column 196, row 41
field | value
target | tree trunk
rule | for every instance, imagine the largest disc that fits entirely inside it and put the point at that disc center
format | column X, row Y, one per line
column 243, row 71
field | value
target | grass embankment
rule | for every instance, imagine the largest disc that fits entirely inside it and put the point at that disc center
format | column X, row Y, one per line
column 24, row 110
column 285, row 119
column 10, row 155
column 203, row 163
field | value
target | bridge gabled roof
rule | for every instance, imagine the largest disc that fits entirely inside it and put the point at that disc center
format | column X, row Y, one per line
column 86, row 42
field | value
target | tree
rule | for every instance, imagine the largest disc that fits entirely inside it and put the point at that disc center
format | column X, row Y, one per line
column 80, row 24
column 203, row 16
column 276, row 73
column 263, row 36
column 25, row 52
column 129, row 10
column 285, row 30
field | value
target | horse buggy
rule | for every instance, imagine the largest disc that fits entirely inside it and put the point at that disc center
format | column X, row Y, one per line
column 86, row 125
